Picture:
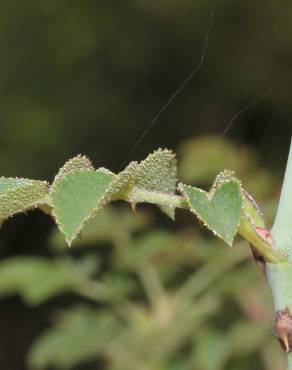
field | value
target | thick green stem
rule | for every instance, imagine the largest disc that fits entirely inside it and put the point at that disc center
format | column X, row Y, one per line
column 289, row 362
column 280, row 275
column 282, row 229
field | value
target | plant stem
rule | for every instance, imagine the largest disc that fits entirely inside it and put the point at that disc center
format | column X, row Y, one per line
column 163, row 199
column 280, row 274
column 282, row 229
column 289, row 362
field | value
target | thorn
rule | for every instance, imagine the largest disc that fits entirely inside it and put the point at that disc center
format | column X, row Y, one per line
column 133, row 206
column 283, row 328
column 283, row 335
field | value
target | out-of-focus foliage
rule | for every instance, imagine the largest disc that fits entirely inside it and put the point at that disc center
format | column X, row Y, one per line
column 88, row 76
column 147, row 297
column 38, row 279
column 221, row 154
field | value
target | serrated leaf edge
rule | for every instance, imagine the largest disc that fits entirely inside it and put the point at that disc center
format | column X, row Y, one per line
column 66, row 170
column 112, row 192
column 173, row 164
column 54, row 188
column 27, row 185
column 210, row 195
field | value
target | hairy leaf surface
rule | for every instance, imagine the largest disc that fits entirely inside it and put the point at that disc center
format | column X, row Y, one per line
column 76, row 197
column 219, row 210
column 78, row 163
column 19, row 195
column 157, row 173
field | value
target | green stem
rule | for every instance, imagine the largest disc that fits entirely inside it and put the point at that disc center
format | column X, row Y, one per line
column 162, row 199
column 289, row 362
column 282, row 229
column 280, row 274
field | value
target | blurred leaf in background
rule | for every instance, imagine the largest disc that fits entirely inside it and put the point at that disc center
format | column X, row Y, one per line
column 148, row 297
column 89, row 77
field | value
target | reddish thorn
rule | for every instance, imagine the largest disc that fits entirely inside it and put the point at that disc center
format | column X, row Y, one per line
column 283, row 335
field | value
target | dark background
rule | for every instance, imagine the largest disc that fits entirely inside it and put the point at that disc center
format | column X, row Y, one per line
column 89, row 76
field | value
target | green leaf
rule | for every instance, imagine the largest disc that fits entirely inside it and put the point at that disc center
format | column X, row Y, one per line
column 111, row 225
column 19, row 195
column 252, row 211
column 77, row 195
column 120, row 184
column 157, row 173
column 75, row 199
column 78, row 163
column 219, row 210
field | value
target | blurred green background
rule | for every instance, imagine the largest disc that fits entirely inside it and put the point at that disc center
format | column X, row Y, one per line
column 139, row 292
